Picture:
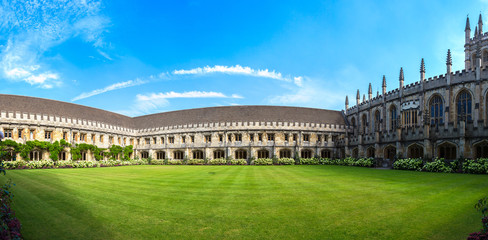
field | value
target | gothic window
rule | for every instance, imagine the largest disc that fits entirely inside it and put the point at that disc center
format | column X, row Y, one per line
column 485, row 56
column 260, row 137
column 353, row 122
column 287, row 138
column 481, row 150
column 306, row 153
column 8, row 133
column 238, row 137
column 409, row 117
column 263, row 153
column 178, row 155
column 390, row 152
column 447, row 151
column 270, row 137
column 171, row 140
column 325, row 153
column 463, row 104
column 306, row 137
column 183, row 139
column 436, row 111
column 144, row 155
column 240, row 154
column 377, row 120
column 35, row 155
column 160, row 155
column 415, row 151
column 20, row 133
column 192, row 139
column 370, row 152
column 221, row 137
column 229, row 137
column 295, row 137
column 101, row 138
column 62, row 156
column 208, row 138
column 32, row 134
column 355, row 153
column 364, row 123
column 285, row 153
column 393, row 118
column 219, row 154
column 146, row 140
column 251, row 137
column 197, row 154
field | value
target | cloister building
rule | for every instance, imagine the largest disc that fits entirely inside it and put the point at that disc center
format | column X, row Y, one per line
column 443, row 116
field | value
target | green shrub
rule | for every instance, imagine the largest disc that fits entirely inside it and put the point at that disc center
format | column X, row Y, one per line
column 237, row 162
column 158, row 162
column 309, row 161
column 175, row 162
column 438, row 165
column 218, row 161
column 478, row 166
column 285, row 161
column 195, row 162
column 408, row 164
column 263, row 161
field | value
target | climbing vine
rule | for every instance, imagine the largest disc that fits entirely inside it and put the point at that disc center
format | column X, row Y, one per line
column 127, row 151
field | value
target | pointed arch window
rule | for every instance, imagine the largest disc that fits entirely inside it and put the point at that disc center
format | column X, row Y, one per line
column 463, row 104
column 364, row 123
column 393, row 117
column 436, row 111
column 377, row 120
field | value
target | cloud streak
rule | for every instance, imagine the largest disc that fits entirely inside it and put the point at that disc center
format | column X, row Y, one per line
column 109, row 88
column 239, row 70
column 34, row 27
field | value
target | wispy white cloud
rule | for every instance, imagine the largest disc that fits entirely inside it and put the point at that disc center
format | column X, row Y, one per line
column 105, row 55
column 150, row 103
column 33, row 27
column 239, row 70
column 112, row 87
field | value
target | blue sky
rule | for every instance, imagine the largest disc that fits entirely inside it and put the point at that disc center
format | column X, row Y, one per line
column 143, row 57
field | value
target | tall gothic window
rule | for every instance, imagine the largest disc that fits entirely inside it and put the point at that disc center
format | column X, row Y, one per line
column 409, row 117
column 377, row 120
column 364, row 123
column 436, row 111
column 463, row 105
column 393, row 117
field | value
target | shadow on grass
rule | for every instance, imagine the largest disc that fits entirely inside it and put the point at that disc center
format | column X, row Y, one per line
column 49, row 206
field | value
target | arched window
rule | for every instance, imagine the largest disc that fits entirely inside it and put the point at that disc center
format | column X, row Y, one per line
column 263, row 153
column 415, row 151
column 370, row 152
column 144, row 155
column 390, row 152
column 197, row 154
column 219, row 154
column 447, row 151
column 240, row 154
column 285, row 153
column 481, row 150
column 325, row 153
column 306, row 153
column 62, row 155
column 160, row 155
column 485, row 57
column 353, row 122
column 377, row 120
column 355, row 153
column 178, row 155
column 463, row 104
column 364, row 123
column 436, row 111
column 393, row 117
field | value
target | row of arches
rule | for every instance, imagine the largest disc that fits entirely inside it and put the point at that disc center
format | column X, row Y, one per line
column 445, row 150
column 239, row 154
column 463, row 104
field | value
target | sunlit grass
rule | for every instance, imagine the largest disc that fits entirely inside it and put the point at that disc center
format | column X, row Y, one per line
column 251, row 202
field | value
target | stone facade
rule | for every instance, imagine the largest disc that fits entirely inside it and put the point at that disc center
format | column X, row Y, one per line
column 444, row 116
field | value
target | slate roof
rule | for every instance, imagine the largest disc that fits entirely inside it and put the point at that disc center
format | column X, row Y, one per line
column 24, row 104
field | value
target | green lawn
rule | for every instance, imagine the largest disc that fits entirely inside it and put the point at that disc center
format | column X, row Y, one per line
column 250, row 202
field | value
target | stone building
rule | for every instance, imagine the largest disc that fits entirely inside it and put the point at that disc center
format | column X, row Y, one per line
column 239, row 132
column 444, row 116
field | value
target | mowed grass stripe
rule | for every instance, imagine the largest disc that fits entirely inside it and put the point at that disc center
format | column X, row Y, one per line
column 250, row 202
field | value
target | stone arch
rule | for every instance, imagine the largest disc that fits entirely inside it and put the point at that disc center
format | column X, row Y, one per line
column 326, row 153
column 240, row 154
column 370, row 152
column 415, row 150
column 464, row 105
column 160, row 155
column 447, row 150
column 390, row 152
column 263, row 153
column 219, row 153
column 481, row 149
column 306, row 153
column 355, row 152
column 178, row 154
column 285, row 153
column 197, row 154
